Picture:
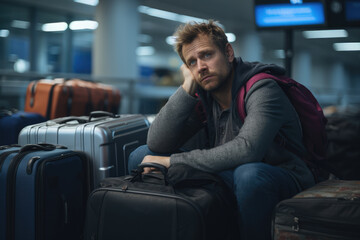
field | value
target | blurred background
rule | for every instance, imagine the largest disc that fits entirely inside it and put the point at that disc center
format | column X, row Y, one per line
column 128, row 44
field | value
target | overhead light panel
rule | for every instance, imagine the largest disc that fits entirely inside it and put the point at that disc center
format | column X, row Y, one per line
column 171, row 40
column 4, row 33
column 88, row 2
column 231, row 37
column 145, row 51
column 340, row 33
column 170, row 15
column 83, row 25
column 347, row 46
column 20, row 24
column 54, row 27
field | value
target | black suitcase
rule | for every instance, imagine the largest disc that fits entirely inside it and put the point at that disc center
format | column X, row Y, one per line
column 186, row 204
column 330, row 210
column 43, row 192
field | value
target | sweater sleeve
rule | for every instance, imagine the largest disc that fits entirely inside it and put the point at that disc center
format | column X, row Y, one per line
column 175, row 123
column 267, row 109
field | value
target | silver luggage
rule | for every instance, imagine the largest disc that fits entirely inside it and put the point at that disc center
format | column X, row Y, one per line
column 107, row 139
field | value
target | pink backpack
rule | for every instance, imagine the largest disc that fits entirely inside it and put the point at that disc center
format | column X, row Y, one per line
column 309, row 111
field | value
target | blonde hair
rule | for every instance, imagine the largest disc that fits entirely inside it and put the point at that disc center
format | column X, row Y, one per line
column 186, row 34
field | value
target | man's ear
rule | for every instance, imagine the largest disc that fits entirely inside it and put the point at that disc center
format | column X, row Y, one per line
column 229, row 52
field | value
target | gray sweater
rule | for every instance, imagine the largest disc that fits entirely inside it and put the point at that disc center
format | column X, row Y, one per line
column 269, row 112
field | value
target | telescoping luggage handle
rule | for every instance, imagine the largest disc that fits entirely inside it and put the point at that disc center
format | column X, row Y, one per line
column 139, row 176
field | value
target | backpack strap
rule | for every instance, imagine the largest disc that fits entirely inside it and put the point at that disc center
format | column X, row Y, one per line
column 245, row 88
column 242, row 112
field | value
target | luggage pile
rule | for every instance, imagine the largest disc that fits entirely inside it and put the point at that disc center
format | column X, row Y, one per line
column 68, row 179
column 63, row 175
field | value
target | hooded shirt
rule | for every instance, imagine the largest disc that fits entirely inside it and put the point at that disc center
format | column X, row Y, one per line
column 269, row 113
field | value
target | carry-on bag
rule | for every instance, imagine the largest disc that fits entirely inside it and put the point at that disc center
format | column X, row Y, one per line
column 107, row 139
column 330, row 210
column 12, row 121
column 179, row 203
column 43, row 192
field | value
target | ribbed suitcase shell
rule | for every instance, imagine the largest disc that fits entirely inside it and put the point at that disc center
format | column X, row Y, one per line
column 108, row 141
column 330, row 210
column 43, row 194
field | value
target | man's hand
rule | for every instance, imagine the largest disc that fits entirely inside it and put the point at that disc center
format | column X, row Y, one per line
column 189, row 85
column 165, row 161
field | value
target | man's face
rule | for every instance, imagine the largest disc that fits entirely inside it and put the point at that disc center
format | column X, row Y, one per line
column 209, row 66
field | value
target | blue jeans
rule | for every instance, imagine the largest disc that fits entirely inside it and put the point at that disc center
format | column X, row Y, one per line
column 258, row 187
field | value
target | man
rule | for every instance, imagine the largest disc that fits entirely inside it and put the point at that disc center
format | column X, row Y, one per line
column 260, row 172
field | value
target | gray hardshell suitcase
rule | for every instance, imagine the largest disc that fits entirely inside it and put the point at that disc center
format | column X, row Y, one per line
column 108, row 139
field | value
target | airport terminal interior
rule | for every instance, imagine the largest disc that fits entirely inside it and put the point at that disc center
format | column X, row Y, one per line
column 129, row 45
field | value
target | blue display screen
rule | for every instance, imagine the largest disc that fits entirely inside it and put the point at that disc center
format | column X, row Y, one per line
column 352, row 10
column 278, row 15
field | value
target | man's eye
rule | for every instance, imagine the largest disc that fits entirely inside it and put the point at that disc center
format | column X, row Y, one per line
column 207, row 55
column 192, row 63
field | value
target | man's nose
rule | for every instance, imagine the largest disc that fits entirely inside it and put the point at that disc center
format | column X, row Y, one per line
column 201, row 65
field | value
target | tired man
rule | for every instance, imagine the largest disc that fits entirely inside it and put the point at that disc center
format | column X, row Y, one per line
column 259, row 171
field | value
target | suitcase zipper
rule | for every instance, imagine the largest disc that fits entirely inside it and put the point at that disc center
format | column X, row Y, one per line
column 325, row 226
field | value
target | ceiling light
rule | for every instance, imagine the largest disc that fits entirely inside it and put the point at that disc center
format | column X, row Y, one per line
column 340, row 33
column 84, row 24
column 4, row 33
column 145, row 51
column 170, row 15
column 54, row 27
column 171, row 40
column 231, row 37
column 347, row 46
column 88, row 2
column 20, row 24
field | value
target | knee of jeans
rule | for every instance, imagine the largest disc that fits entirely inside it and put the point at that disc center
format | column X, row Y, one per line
column 136, row 156
column 250, row 175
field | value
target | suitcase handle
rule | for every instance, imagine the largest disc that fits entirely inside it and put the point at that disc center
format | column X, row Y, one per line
column 40, row 146
column 140, row 170
column 101, row 114
column 79, row 119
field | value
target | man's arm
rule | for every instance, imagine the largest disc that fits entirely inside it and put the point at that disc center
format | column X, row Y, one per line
column 177, row 121
column 268, row 110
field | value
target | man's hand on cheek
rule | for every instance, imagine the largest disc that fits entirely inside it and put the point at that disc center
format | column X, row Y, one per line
column 165, row 161
column 189, row 85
